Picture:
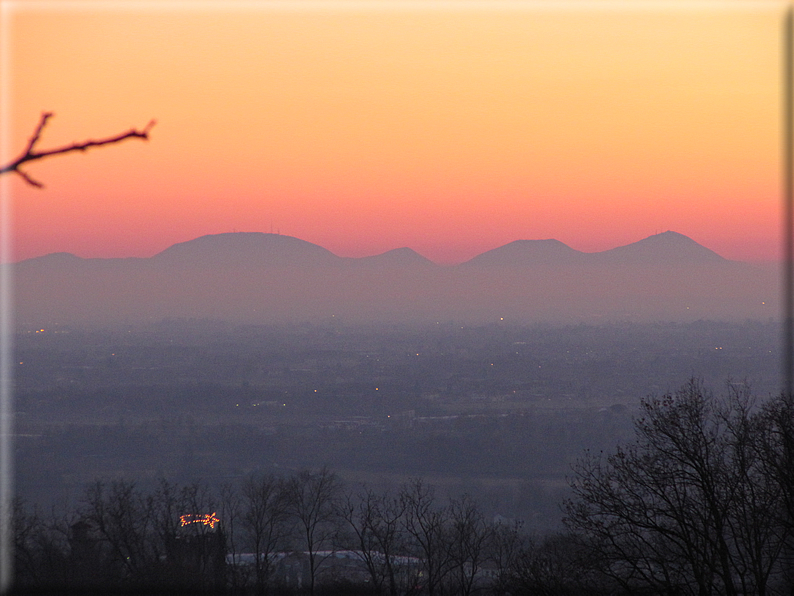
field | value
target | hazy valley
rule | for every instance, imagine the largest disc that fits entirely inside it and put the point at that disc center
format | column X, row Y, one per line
column 240, row 358
column 499, row 406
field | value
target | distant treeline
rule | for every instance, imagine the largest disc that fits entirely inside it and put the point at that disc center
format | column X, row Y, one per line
column 700, row 502
column 300, row 533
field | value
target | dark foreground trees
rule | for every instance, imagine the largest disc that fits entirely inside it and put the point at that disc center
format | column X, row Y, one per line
column 310, row 500
column 699, row 503
column 264, row 521
column 295, row 534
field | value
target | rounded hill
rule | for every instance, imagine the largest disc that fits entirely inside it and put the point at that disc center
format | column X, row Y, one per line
column 398, row 257
column 246, row 249
column 528, row 253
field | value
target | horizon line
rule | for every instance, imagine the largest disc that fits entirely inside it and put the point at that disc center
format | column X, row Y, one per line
column 440, row 264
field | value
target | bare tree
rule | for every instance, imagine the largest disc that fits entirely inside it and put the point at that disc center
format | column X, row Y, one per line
column 376, row 522
column 426, row 524
column 264, row 516
column 756, row 526
column 27, row 526
column 123, row 518
column 554, row 565
column 202, row 558
column 311, row 501
column 469, row 538
column 30, row 153
column 505, row 546
column 167, row 506
column 231, row 512
column 687, row 508
column 42, row 551
column 169, row 537
column 777, row 455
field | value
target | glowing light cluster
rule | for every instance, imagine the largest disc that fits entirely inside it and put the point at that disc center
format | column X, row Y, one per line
column 208, row 519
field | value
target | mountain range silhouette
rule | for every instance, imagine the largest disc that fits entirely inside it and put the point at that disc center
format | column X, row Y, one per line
column 271, row 278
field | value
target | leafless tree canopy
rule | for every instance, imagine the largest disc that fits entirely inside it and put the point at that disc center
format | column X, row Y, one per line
column 698, row 504
column 30, row 154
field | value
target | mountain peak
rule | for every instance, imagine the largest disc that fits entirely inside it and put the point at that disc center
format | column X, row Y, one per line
column 59, row 260
column 526, row 253
column 237, row 249
column 667, row 248
column 398, row 257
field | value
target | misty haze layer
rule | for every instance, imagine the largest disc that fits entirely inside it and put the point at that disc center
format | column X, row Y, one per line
column 266, row 278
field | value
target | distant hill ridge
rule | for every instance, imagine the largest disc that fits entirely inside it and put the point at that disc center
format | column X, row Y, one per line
column 529, row 252
column 271, row 278
column 395, row 258
column 667, row 246
column 246, row 248
column 236, row 249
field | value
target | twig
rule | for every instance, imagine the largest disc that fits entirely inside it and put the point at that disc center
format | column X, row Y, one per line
column 31, row 155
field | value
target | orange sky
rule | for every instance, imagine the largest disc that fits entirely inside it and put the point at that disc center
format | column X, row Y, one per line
column 449, row 127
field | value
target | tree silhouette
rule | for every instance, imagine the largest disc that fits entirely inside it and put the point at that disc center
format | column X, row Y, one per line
column 312, row 503
column 30, row 154
column 376, row 523
column 690, row 506
column 426, row 525
column 264, row 517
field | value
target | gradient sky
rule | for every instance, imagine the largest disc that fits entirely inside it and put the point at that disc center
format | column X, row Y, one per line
column 449, row 127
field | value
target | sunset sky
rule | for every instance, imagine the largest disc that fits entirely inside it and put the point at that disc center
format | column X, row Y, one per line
column 363, row 126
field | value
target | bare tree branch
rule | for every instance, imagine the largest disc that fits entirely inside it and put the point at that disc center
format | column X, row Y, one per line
column 31, row 155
